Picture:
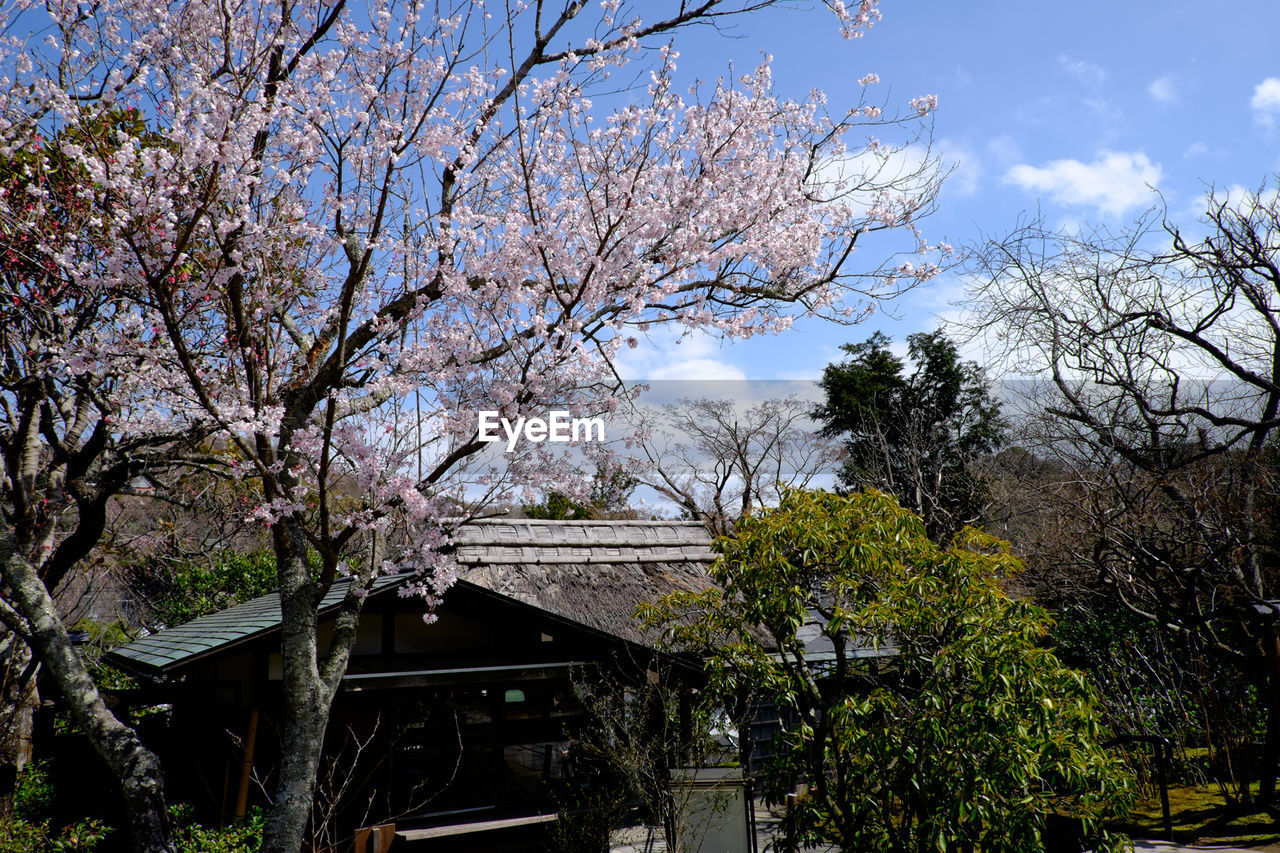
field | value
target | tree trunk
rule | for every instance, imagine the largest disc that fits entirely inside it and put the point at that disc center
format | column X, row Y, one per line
column 17, row 701
column 301, row 744
column 137, row 769
column 307, row 696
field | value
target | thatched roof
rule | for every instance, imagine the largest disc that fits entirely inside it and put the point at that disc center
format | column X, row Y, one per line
column 592, row 572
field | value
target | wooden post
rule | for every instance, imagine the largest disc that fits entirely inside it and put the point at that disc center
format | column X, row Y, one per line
column 789, row 838
column 1271, row 747
column 1162, row 767
column 246, row 765
column 375, row 839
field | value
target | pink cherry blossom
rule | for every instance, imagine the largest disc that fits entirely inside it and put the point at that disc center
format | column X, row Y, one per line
column 338, row 234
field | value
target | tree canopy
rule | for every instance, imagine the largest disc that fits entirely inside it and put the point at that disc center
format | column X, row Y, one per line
column 918, row 436
column 969, row 732
column 340, row 230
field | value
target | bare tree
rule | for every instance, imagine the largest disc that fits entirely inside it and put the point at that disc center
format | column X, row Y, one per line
column 1158, row 351
column 717, row 460
column 1074, row 516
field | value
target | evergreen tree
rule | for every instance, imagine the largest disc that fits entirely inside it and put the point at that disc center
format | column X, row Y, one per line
column 919, row 436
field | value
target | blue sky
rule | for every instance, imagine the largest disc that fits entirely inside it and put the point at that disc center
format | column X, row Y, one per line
column 1072, row 108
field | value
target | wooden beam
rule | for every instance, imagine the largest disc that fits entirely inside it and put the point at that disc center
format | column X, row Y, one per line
column 461, row 675
column 470, row 828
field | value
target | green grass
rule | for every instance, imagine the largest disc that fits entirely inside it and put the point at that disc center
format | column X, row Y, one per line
column 1201, row 816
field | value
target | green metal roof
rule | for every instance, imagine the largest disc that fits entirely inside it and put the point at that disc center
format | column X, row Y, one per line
column 160, row 653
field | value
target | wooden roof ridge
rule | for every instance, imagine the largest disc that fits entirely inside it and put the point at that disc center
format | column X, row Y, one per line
column 537, row 559
column 574, row 522
column 515, row 541
column 550, row 532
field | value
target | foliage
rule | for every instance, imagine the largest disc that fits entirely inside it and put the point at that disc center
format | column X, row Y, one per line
column 975, row 733
column 195, row 588
column 242, row 836
column 31, row 827
column 33, row 797
column 557, row 506
column 606, row 497
column 20, row 836
column 916, row 436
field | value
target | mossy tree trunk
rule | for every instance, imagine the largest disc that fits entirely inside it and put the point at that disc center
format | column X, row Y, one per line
column 136, row 767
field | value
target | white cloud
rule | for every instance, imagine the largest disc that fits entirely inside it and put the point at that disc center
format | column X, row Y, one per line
column 1163, row 89
column 1082, row 69
column 697, row 368
column 1004, row 149
column 1266, row 101
column 858, row 176
column 665, row 355
column 1113, row 183
column 966, row 168
column 907, row 170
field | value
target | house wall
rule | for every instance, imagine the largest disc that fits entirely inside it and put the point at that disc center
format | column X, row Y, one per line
column 488, row 744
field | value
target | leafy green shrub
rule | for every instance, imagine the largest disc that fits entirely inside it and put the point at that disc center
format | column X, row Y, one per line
column 80, row 836
column 31, row 827
column 969, row 734
column 23, row 836
column 241, row 837
column 197, row 589
column 33, row 796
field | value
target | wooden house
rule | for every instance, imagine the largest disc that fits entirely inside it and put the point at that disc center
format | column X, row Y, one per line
column 451, row 728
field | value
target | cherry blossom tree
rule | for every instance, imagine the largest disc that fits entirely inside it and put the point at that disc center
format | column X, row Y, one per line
column 346, row 229
column 72, row 436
